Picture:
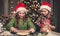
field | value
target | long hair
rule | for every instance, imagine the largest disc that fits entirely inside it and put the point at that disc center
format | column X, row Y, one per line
column 18, row 18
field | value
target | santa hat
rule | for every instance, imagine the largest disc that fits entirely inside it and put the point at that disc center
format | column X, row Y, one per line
column 20, row 7
column 45, row 5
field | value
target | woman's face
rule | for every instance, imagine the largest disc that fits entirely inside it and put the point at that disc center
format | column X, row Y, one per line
column 21, row 13
column 44, row 12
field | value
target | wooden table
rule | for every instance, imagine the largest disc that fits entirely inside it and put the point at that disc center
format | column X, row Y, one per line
column 37, row 34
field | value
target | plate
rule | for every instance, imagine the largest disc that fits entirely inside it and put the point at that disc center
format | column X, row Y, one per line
column 22, row 33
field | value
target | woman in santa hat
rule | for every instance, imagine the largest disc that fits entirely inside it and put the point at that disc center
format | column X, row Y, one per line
column 20, row 23
column 45, row 19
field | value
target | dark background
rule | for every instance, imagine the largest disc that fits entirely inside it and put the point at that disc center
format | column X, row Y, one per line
column 1, row 6
column 57, row 10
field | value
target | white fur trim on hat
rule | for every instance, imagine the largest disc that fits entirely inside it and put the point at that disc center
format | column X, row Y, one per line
column 21, row 8
column 45, row 6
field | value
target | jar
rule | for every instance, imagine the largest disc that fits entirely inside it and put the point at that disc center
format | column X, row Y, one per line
column 1, row 27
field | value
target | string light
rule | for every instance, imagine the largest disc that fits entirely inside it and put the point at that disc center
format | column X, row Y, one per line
column 11, row 2
column 32, row 4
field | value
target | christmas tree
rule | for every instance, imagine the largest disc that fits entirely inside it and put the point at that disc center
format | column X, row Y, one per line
column 33, row 7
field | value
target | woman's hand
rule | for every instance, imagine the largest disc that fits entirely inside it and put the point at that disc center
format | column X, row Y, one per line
column 51, row 26
column 32, row 30
column 12, row 29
